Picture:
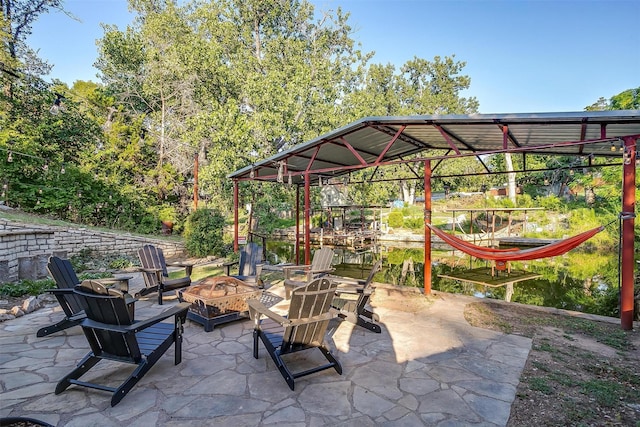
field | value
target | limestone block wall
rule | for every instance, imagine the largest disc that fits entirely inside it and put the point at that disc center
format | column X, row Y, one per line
column 25, row 248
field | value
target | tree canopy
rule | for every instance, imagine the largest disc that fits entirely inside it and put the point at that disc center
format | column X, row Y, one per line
column 228, row 81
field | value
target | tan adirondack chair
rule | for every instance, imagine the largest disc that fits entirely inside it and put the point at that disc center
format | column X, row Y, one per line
column 304, row 328
column 299, row 275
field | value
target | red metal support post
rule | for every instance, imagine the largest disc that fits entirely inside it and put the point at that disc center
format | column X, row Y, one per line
column 427, row 230
column 628, row 219
column 307, row 219
column 297, row 261
column 235, row 215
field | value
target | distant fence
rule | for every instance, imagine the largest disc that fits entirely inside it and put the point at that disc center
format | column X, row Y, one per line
column 25, row 248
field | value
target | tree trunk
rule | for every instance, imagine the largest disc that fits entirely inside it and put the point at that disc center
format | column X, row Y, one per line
column 589, row 196
column 408, row 192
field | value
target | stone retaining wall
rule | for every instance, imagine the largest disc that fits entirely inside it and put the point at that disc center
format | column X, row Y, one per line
column 25, row 248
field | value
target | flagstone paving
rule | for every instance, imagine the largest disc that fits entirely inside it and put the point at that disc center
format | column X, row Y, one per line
column 428, row 367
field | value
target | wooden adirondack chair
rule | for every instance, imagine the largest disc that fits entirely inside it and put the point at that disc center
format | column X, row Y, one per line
column 249, row 265
column 299, row 275
column 303, row 328
column 66, row 279
column 356, row 310
column 114, row 335
column 155, row 274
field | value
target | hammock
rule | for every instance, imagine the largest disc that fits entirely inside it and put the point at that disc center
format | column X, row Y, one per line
column 512, row 254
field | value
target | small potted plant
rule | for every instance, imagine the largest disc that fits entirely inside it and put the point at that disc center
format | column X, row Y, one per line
column 168, row 217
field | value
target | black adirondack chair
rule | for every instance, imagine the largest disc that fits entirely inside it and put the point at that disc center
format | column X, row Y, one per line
column 156, row 276
column 304, row 328
column 356, row 309
column 115, row 336
column 249, row 265
column 62, row 272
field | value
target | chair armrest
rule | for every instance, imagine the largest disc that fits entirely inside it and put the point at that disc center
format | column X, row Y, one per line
column 257, row 309
column 227, row 266
column 289, row 269
column 177, row 310
column 328, row 270
column 121, row 282
column 352, row 290
column 150, row 270
column 188, row 267
column 65, row 291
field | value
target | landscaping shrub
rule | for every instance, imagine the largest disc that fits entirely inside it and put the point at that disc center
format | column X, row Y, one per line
column 203, row 233
column 414, row 223
column 396, row 220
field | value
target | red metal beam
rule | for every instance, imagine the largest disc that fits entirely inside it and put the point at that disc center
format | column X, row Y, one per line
column 427, row 230
column 307, row 219
column 447, row 138
column 311, row 160
column 395, row 137
column 628, row 218
column 353, row 150
column 471, row 154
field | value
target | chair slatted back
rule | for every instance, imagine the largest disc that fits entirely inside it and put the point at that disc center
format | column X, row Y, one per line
column 107, row 306
column 152, row 257
column 62, row 272
column 322, row 259
column 250, row 256
column 308, row 302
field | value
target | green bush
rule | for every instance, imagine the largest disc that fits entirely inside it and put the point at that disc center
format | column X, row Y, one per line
column 414, row 223
column 26, row 287
column 203, row 233
column 396, row 220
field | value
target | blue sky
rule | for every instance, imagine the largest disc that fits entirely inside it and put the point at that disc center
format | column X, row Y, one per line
column 522, row 56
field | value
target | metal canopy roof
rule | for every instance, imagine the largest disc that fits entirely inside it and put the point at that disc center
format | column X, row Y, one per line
column 377, row 141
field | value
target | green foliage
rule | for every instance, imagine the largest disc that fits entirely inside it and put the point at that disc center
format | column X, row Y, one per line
column 203, row 233
column 551, row 202
column 414, row 223
column 26, row 287
column 396, row 219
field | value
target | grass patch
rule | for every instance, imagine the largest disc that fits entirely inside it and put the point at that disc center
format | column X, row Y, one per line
column 606, row 393
column 540, row 384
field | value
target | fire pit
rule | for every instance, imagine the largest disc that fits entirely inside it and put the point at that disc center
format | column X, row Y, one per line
column 217, row 300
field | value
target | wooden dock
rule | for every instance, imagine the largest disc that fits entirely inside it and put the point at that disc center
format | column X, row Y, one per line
column 482, row 276
column 512, row 241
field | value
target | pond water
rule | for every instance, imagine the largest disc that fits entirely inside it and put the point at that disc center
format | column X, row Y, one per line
column 581, row 281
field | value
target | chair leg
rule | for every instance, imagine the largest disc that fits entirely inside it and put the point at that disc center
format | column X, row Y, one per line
column 178, row 340
column 331, row 358
column 85, row 364
column 131, row 381
column 275, row 356
column 255, row 343
column 368, row 325
column 160, row 295
column 65, row 323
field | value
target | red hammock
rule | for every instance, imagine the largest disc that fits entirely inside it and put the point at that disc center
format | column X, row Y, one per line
column 552, row 249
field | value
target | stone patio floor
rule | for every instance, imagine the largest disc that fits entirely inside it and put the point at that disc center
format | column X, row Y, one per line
column 428, row 367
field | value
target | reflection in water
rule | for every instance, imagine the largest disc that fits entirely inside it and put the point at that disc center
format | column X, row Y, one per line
column 578, row 281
